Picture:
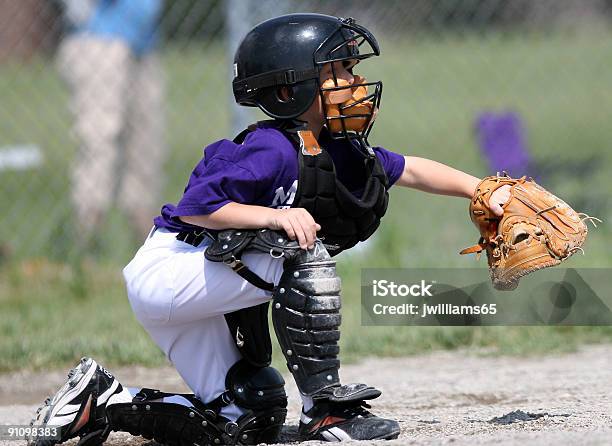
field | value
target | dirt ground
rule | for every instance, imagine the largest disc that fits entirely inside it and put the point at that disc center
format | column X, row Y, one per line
column 453, row 398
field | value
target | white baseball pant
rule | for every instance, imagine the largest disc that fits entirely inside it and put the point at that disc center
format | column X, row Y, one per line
column 180, row 298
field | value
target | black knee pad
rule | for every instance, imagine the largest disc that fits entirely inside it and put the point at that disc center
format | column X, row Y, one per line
column 260, row 392
column 256, row 388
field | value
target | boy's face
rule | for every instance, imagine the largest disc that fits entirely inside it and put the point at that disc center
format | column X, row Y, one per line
column 343, row 71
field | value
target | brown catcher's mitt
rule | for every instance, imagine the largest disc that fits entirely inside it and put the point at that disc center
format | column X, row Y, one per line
column 537, row 230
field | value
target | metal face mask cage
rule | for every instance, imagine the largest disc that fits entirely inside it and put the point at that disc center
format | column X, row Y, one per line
column 349, row 40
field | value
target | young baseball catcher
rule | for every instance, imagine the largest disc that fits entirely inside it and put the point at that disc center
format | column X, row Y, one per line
column 260, row 220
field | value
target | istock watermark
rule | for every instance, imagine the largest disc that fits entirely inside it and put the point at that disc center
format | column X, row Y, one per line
column 384, row 288
column 466, row 297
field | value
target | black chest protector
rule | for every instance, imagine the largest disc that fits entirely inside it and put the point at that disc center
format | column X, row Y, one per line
column 344, row 218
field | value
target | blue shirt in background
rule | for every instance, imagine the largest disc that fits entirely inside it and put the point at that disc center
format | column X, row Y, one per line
column 133, row 21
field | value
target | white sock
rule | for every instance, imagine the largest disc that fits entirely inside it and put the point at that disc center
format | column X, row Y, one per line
column 307, row 402
column 232, row 411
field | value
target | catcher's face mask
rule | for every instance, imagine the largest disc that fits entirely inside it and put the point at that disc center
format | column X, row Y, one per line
column 350, row 109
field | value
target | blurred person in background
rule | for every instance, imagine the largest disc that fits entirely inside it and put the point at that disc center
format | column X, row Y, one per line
column 109, row 62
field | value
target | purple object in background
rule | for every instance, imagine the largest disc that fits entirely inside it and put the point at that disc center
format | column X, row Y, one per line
column 502, row 141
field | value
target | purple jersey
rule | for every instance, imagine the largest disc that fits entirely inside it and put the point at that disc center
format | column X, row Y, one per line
column 263, row 171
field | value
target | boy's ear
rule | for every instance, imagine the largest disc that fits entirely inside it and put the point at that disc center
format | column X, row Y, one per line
column 284, row 93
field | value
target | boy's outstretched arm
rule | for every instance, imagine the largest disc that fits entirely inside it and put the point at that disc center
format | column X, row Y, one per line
column 434, row 177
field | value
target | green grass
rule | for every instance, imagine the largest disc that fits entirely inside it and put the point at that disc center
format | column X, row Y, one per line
column 52, row 312
column 45, row 323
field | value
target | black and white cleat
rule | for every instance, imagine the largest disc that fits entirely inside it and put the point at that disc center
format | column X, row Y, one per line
column 78, row 409
column 334, row 422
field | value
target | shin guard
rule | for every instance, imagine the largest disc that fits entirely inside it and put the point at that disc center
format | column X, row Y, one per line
column 306, row 317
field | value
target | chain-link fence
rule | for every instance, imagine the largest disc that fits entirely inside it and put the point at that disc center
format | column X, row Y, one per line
column 105, row 105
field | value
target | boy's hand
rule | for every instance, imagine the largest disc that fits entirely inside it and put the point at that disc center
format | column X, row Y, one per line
column 297, row 223
column 498, row 199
